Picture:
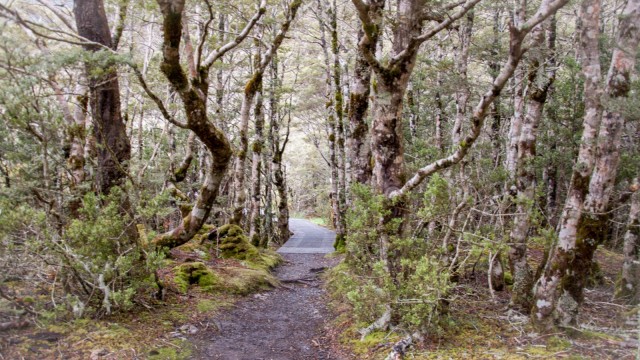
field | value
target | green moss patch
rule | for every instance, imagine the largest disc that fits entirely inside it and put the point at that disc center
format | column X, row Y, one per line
column 235, row 245
column 194, row 273
column 243, row 281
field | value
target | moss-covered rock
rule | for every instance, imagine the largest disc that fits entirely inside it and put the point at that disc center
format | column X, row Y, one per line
column 235, row 245
column 195, row 273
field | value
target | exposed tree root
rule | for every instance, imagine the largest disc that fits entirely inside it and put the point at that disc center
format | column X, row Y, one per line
column 381, row 323
column 18, row 324
column 400, row 348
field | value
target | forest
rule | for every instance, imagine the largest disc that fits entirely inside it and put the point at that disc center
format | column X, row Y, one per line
column 478, row 161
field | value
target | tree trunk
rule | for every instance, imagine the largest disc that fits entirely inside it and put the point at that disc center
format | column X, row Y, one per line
column 340, row 158
column 253, row 86
column 277, row 149
column 358, row 142
column 193, row 94
column 583, row 221
column 113, row 148
column 239, row 202
column 255, row 233
column 521, row 297
column 628, row 288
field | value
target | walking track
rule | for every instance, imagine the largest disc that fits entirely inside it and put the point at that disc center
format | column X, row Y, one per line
column 286, row 323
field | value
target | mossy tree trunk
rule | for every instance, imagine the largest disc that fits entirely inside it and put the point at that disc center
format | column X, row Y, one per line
column 540, row 79
column 547, row 284
column 338, row 106
column 584, row 221
column 327, row 22
column 358, row 141
column 252, row 87
column 239, row 202
column 193, row 92
column 255, row 233
column 629, row 285
column 113, row 147
column 278, row 147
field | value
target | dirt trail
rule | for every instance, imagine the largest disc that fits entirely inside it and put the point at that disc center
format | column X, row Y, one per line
column 285, row 323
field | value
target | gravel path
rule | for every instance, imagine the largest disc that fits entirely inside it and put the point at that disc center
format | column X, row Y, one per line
column 282, row 324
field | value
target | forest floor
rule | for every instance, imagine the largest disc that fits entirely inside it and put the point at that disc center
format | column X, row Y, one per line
column 297, row 320
column 480, row 326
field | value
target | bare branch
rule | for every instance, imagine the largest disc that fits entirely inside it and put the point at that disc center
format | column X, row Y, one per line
column 205, row 34
column 156, row 99
column 217, row 54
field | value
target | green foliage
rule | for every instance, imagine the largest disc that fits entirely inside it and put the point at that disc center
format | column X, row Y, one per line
column 414, row 288
column 362, row 243
column 421, row 296
column 435, row 198
column 101, row 268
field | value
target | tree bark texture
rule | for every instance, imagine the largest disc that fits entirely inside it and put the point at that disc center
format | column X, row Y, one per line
column 113, row 147
column 193, row 93
column 540, row 78
column 358, row 141
column 629, row 286
column 560, row 289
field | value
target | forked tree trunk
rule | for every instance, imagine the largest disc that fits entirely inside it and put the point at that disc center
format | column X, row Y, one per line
column 194, row 100
column 583, row 222
column 251, row 89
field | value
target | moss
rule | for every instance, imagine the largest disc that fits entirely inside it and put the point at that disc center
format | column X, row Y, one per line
column 243, row 281
column 556, row 343
column 340, row 244
column 207, row 305
column 266, row 260
column 180, row 350
column 257, row 147
column 372, row 341
column 235, row 245
column 508, row 278
column 194, row 273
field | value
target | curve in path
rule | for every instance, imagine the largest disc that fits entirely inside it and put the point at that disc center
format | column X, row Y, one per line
column 308, row 238
column 286, row 323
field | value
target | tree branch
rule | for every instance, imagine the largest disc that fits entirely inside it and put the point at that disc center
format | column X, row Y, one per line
column 415, row 42
column 516, row 50
column 119, row 28
column 156, row 99
column 218, row 53
column 371, row 32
